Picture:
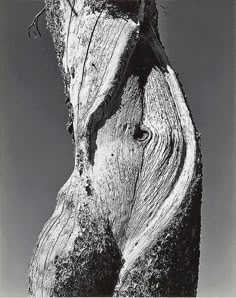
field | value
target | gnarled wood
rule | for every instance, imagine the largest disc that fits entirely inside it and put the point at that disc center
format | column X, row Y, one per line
column 127, row 221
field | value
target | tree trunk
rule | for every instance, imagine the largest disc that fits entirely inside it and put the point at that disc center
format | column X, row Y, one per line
column 127, row 221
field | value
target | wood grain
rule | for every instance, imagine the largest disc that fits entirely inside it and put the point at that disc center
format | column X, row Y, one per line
column 127, row 221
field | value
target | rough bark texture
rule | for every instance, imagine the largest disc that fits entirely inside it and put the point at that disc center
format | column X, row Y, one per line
column 127, row 221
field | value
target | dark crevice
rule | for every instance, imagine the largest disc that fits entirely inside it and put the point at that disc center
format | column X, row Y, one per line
column 88, row 190
column 140, row 134
column 69, row 125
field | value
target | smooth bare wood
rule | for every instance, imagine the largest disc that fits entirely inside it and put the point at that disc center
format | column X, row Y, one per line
column 127, row 221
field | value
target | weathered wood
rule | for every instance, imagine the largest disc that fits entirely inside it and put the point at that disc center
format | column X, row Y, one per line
column 127, row 222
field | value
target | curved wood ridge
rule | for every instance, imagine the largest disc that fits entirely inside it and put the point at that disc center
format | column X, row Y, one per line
column 127, row 221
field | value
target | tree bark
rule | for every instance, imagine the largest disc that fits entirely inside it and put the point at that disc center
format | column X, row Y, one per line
column 127, row 221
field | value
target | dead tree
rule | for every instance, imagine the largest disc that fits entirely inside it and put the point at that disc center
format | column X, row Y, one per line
column 127, row 221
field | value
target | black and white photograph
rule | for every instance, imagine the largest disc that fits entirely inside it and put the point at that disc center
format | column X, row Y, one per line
column 117, row 148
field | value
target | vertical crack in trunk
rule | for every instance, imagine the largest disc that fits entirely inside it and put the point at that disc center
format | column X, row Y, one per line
column 127, row 221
